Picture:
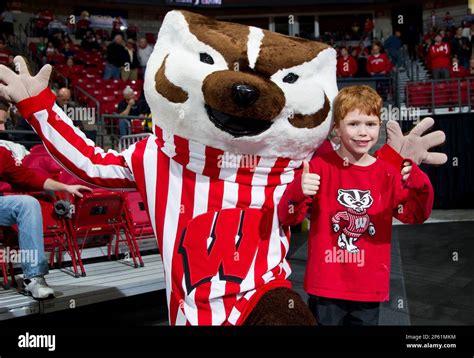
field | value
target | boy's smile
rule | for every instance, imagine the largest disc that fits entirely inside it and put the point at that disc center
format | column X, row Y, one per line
column 358, row 132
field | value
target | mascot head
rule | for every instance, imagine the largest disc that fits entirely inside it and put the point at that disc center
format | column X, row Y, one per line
column 239, row 88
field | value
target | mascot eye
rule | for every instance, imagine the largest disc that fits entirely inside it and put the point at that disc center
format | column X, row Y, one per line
column 290, row 78
column 204, row 57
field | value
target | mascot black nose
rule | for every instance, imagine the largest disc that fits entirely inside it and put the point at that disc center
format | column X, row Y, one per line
column 244, row 95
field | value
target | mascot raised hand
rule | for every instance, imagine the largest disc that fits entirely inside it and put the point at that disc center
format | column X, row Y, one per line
column 235, row 111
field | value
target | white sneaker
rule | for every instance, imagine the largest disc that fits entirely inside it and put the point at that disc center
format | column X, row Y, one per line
column 38, row 288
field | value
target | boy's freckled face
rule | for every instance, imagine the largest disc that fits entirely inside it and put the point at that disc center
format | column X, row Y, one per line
column 358, row 131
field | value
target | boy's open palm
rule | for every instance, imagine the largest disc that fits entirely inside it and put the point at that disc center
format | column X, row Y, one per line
column 309, row 181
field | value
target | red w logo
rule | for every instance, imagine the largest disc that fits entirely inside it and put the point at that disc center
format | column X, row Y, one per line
column 360, row 222
column 223, row 242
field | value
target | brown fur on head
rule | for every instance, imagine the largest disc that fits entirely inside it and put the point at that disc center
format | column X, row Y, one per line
column 239, row 88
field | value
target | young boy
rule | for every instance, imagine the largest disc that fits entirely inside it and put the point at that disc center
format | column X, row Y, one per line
column 353, row 197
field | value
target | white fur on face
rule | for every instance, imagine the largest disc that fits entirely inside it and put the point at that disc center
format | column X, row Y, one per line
column 190, row 120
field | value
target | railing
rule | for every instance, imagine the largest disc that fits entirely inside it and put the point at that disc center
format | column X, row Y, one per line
column 127, row 140
column 441, row 96
column 108, row 127
column 96, row 103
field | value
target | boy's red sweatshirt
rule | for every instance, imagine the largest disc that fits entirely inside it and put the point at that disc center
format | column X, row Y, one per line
column 351, row 224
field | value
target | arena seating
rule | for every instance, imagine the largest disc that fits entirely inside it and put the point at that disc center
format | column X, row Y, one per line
column 448, row 94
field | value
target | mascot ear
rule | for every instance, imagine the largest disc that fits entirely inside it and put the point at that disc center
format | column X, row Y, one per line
column 172, row 29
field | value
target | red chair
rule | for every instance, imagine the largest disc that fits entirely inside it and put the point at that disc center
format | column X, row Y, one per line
column 458, row 93
column 100, row 214
column 137, row 126
column 137, row 217
column 55, row 231
column 419, row 95
column 441, row 94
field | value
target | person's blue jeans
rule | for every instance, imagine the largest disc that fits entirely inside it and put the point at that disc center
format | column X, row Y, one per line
column 124, row 126
column 111, row 72
column 25, row 211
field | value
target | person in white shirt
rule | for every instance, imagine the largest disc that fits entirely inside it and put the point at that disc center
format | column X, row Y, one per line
column 144, row 52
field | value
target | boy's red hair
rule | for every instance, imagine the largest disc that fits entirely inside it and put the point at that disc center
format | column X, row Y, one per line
column 361, row 97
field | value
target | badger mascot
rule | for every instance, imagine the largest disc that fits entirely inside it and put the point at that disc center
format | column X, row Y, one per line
column 236, row 109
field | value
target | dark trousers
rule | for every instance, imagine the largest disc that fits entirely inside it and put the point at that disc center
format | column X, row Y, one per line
column 335, row 312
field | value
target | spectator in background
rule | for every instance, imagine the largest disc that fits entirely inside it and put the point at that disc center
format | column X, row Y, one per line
column 67, row 51
column 468, row 19
column 89, row 41
column 457, row 70
column 440, row 58
column 6, row 22
column 130, row 69
column 117, row 27
column 144, row 52
column 4, row 115
column 4, row 53
column 128, row 106
column 115, row 56
column 368, row 28
column 461, row 48
column 43, row 42
column 41, row 22
column 346, row 65
column 83, row 25
column 25, row 211
column 471, row 67
column 393, row 45
column 448, row 20
column 378, row 63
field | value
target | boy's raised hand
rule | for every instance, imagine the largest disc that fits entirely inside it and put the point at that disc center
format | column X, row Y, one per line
column 309, row 181
column 406, row 170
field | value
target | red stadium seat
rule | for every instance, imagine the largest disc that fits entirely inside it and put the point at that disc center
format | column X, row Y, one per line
column 150, row 37
column 419, row 95
column 137, row 126
column 441, row 94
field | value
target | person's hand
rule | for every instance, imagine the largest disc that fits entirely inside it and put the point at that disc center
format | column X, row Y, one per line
column 21, row 86
column 415, row 145
column 309, row 181
column 406, row 170
column 131, row 101
column 76, row 189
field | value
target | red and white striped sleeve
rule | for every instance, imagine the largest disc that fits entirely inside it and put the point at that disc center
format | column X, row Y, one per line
column 71, row 148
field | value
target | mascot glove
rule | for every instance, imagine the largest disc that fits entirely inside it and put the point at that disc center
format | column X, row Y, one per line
column 21, row 86
column 414, row 145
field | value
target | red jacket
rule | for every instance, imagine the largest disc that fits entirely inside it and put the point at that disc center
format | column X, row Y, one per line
column 378, row 64
column 19, row 175
column 440, row 55
column 351, row 224
column 346, row 67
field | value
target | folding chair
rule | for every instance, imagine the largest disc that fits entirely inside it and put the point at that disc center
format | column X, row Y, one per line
column 100, row 213
column 137, row 218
